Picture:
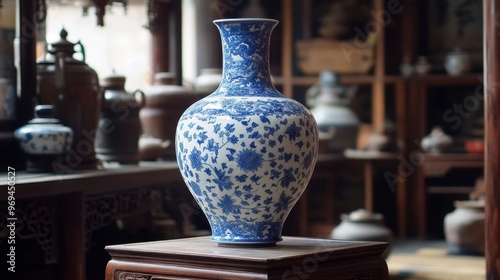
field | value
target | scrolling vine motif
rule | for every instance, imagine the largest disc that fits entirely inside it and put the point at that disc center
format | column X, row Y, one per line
column 102, row 210
column 35, row 220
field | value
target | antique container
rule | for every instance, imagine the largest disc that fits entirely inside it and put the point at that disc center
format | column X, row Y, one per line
column 72, row 87
column 165, row 103
column 44, row 140
column 330, row 107
column 246, row 151
column 464, row 228
column 119, row 128
column 362, row 225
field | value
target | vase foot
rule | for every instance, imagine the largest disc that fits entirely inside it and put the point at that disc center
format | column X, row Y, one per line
column 246, row 245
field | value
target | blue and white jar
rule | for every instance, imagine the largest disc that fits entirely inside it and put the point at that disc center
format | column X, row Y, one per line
column 246, row 152
column 44, row 139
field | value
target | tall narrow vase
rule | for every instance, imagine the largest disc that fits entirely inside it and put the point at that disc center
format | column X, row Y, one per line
column 246, row 152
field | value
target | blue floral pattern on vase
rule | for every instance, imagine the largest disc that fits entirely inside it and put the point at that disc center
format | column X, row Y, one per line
column 246, row 152
column 44, row 135
column 44, row 140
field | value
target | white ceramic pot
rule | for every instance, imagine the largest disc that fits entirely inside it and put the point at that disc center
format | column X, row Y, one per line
column 43, row 139
column 457, row 63
column 362, row 225
column 464, row 228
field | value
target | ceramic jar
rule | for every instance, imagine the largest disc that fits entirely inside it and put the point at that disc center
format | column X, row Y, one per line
column 72, row 87
column 437, row 141
column 44, row 140
column 422, row 66
column 457, row 62
column 406, row 68
column 362, row 225
column 119, row 127
column 165, row 103
column 246, row 152
column 331, row 110
column 464, row 228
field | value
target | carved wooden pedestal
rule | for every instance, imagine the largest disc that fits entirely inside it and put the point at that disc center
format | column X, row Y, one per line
column 293, row 258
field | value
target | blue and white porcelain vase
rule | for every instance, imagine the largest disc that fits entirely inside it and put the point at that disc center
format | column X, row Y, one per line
column 44, row 139
column 246, row 152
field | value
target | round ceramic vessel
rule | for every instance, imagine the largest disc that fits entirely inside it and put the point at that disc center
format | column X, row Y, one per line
column 464, row 228
column 44, row 135
column 246, row 152
column 457, row 63
column 361, row 225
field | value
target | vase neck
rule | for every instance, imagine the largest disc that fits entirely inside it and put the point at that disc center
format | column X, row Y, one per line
column 245, row 48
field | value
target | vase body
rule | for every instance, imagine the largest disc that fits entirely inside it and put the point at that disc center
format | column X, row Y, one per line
column 119, row 127
column 464, row 228
column 246, row 152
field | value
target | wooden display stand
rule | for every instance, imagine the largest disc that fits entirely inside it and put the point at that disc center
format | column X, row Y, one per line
column 293, row 258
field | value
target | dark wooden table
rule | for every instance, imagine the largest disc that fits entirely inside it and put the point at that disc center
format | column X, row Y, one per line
column 293, row 258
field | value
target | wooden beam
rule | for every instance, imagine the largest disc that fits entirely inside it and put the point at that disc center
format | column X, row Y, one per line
column 26, row 36
column 378, row 91
column 492, row 127
column 287, row 47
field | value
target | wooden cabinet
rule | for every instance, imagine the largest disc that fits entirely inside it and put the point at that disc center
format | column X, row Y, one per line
column 383, row 90
column 299, row 23
column 456, row 105
column 415, row 104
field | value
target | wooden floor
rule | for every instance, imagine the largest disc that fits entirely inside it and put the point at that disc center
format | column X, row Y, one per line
column 429, row 260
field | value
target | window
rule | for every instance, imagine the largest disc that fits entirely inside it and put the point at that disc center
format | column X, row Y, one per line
column 122, row 45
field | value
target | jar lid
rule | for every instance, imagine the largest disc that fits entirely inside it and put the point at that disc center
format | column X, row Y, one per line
column 362, row 215
column 62, row 45
column 329, row 79
column 44, row 114
column 478, row 204
column 164, row 78
column 113, row 80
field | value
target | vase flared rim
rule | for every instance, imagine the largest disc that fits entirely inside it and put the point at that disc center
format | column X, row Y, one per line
column 245, row 20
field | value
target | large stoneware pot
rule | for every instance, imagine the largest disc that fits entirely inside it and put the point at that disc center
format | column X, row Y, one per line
column 464, row 228
column 72, row 87
column 246, row 152
column 165, row 103
column 119, row 127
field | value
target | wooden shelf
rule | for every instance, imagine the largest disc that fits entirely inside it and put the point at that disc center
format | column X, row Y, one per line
column 454, row 157
column 345, row 79
column 449, row 189
column 440, row 165
column 30, row 185
column 447, row 80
